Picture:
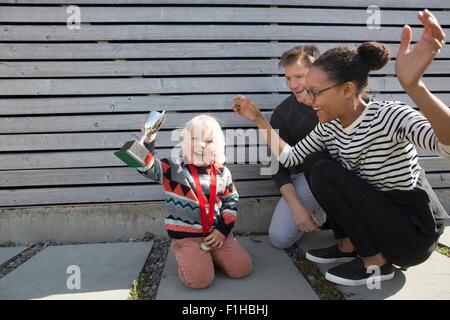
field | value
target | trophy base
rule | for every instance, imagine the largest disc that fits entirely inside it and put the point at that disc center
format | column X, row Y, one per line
column 205, row 247
column 133, row 154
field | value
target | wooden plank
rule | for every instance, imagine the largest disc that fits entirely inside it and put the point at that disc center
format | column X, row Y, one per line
column 192, row 102
column 114, row 122
column 438, row 67
column 55, row 69
column 66, row 51
column 239, row 85
column 125, row 193
column 105, row 158
column 434, row 164
column 439, row 180
column 113, row 140
column 444, row 198
column 63, row 159
column 21, row 87
column 106, row 140
column 114, row 104
column 137, row 68
column 38, row 124
column 125, row 175
column 33, row 14
column 74, row 141
column 445, row 97
column 102, row 158
column 89, row 176
column 200, row 32
column 337, row 3
column 122, row 193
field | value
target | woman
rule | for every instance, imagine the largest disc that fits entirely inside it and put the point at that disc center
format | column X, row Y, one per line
column 378, row 201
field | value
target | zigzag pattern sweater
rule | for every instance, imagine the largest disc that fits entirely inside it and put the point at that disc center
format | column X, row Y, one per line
column 182, row 206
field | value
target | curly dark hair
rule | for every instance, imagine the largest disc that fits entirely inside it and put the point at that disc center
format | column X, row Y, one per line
column 347, row 64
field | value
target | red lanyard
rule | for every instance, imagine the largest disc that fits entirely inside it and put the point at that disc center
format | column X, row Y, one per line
column 207, row 219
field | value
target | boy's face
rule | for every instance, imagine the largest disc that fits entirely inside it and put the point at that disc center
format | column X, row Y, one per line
column 201, row 147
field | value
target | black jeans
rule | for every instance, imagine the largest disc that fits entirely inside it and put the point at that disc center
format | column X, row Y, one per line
column 375, row 221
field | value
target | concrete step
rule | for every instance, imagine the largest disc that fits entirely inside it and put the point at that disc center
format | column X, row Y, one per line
column 445, row 237
column 429, row 280
column 274, row 277
column 71, row 272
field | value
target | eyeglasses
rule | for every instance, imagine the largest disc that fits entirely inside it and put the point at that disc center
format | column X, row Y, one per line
column 314, row 95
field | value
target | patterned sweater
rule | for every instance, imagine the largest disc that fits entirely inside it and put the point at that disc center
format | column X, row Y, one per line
column 182, row 218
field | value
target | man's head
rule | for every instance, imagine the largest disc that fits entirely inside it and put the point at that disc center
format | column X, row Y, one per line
column 296, row 63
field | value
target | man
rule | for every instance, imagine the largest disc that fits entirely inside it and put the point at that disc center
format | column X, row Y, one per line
column 297, row 212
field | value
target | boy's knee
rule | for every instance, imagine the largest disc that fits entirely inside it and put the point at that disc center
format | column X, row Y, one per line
column 241, row 269
column 198, row 280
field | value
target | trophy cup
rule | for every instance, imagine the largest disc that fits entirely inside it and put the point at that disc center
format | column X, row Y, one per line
column 134, row 153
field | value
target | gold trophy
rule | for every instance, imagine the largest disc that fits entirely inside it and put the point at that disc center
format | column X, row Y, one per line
column 134, row 153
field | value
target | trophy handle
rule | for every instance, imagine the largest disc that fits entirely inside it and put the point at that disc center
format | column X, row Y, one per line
column 142, row 139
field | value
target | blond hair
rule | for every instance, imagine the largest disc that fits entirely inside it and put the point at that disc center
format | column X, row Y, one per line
column 213, row 127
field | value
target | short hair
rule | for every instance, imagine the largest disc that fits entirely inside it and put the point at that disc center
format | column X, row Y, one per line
column 211, row 125
column 306, row 54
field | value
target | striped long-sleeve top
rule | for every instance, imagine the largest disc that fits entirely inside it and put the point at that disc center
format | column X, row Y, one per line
column 379, row 146
column 182, row 206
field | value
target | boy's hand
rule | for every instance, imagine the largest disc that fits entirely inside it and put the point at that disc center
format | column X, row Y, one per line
column 149, row 138
column 215, row 239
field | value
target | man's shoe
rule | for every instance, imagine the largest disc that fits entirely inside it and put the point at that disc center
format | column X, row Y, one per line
column 329, row 255
column 354, row 273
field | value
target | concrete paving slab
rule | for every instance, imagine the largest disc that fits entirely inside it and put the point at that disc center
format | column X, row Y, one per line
column 274, row 277
column 71, row 272
column 445, row 237
column 314, row 240
column 7, row 253
column 428, row 281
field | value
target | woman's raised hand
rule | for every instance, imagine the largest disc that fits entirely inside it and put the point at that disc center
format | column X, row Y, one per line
column 412, row 63
column 246, row 108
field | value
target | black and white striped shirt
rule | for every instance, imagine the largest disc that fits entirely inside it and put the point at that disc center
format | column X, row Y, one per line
column 379, row 146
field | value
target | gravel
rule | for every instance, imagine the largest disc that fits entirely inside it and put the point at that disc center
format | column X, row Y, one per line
column 28, row 253
column 323, row 288
column 146, row 286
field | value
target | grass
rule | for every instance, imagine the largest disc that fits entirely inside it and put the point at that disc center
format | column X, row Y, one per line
column 443, row 249
column 140, row 291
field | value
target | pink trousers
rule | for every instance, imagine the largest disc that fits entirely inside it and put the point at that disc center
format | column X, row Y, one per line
column 196, row 267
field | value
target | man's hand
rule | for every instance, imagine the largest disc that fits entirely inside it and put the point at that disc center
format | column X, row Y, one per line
column 246, row 108
column 305, row 220
column 215, row 239
column 412, row 63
